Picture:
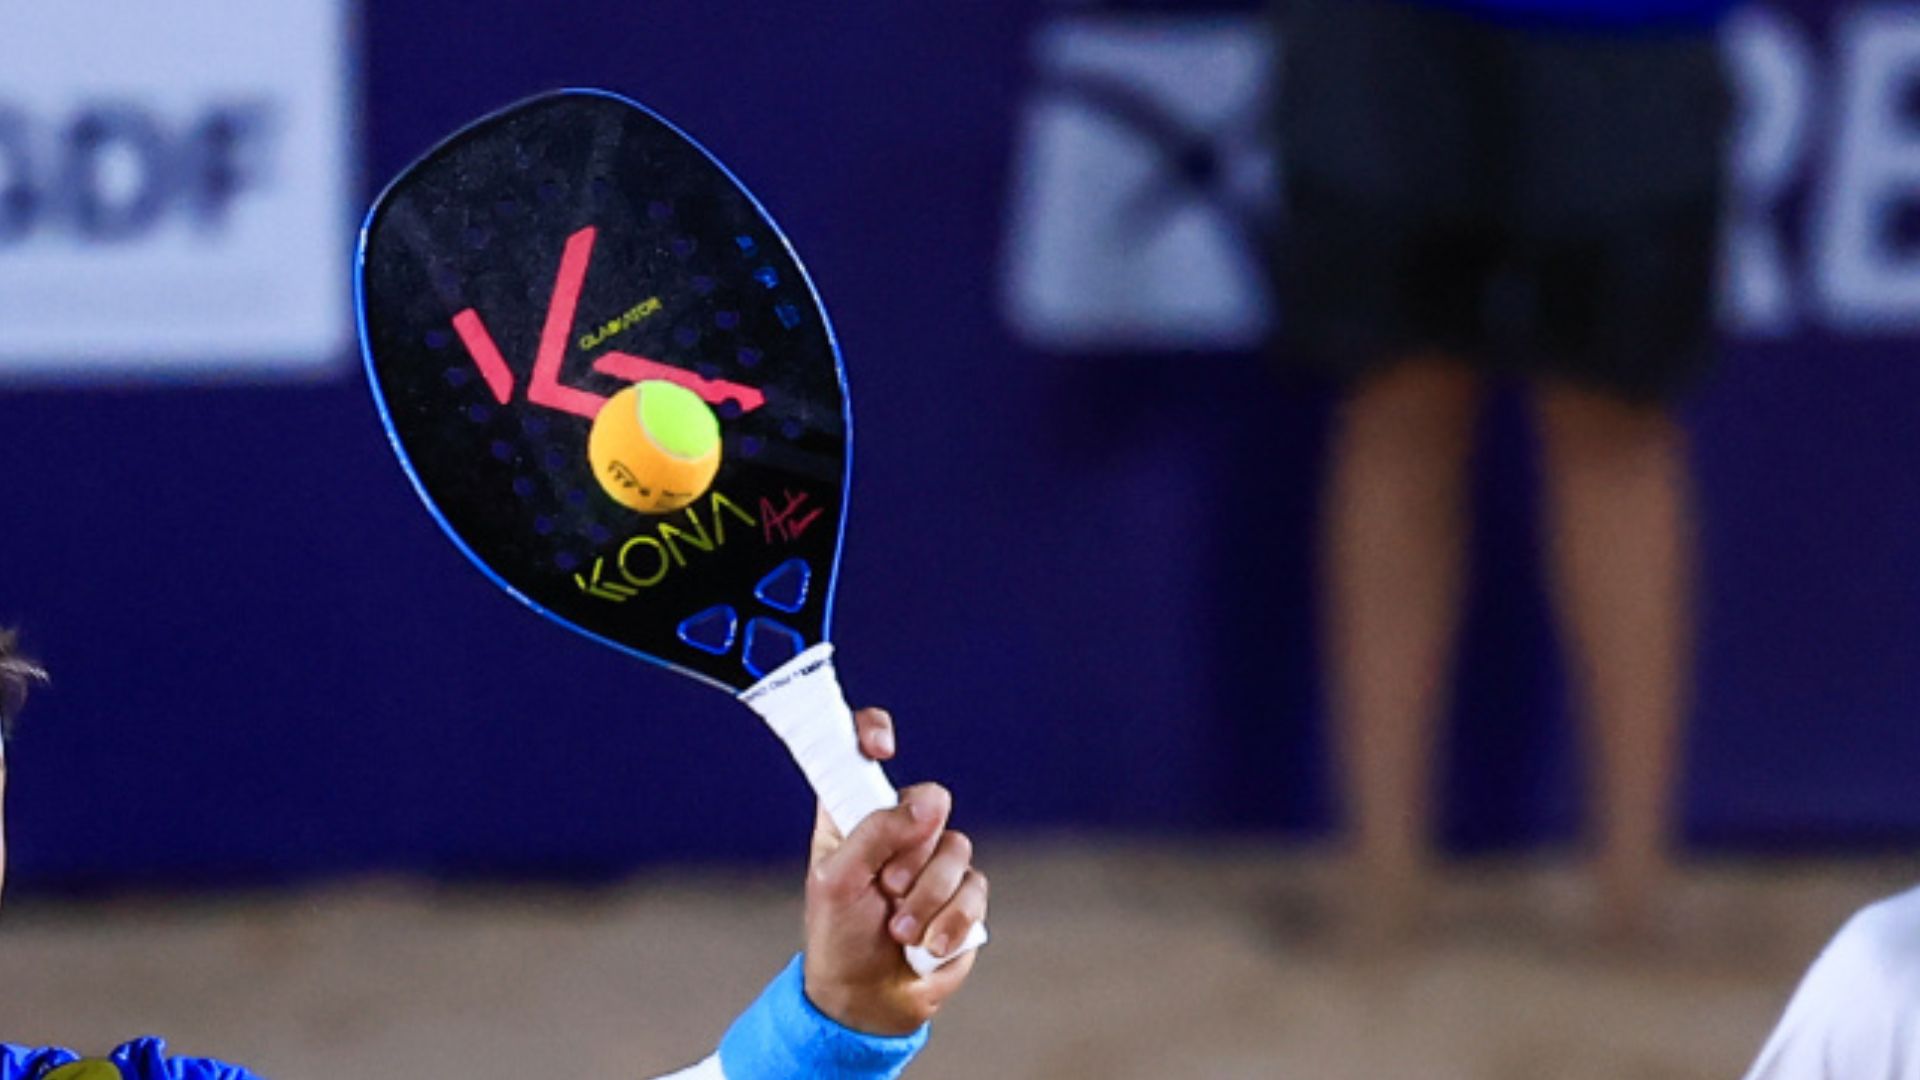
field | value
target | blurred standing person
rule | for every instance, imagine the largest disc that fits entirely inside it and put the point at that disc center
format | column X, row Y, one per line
column 1527, row 187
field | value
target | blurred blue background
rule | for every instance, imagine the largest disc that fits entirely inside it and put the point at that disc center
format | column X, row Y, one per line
column 1078, row 566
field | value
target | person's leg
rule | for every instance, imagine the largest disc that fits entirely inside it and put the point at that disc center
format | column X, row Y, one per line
column 1394, row 550
column 1618, row 509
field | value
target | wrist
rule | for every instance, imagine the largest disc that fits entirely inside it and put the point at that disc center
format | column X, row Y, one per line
column 855, row 1005
column 785, row 1036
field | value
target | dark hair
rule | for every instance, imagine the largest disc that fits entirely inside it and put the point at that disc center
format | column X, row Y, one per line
column 17, row 674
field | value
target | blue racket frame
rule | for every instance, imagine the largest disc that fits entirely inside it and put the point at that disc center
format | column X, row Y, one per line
column 413, row 476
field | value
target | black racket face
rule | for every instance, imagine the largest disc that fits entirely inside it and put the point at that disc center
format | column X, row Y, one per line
column 540, row 261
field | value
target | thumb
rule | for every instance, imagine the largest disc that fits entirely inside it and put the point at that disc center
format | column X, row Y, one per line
column 853, row 866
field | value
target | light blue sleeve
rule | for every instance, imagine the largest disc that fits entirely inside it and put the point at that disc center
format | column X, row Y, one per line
column 782, row 1036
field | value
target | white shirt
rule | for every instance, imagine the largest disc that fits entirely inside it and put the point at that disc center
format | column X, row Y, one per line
column 1856, row 1015
column 706, row 1070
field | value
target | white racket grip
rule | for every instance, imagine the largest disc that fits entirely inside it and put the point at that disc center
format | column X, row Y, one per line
column 802, row 702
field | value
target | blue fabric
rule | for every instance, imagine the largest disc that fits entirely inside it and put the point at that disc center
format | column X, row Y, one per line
column 783, row 1037
column 1609, row 14
column 141, row 1059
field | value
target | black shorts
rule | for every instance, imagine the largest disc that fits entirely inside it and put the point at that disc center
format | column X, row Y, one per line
column 1538, row 201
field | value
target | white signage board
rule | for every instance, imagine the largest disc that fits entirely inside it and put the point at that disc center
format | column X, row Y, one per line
column 175, row 189
column 1142, row 182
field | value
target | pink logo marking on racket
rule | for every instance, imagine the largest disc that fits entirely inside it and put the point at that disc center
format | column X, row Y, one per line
column 786, row 524
column 545, row 388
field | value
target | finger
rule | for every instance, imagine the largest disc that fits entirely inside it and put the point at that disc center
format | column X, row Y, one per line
column 876, row 733
column 913, row 824
column 898, row 874
column 956, row 920
column 932, row 888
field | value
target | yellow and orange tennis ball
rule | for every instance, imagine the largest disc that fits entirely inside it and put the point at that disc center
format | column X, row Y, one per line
column 654, row 447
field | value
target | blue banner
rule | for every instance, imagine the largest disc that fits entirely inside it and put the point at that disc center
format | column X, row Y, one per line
column 1079, row 562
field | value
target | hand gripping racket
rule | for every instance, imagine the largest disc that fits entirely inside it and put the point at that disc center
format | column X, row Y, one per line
column 613, row 385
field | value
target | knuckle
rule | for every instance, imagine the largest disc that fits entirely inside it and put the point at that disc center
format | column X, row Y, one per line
column 924, row 904
column 819, row 883
column 974, row 899
column 961, row 844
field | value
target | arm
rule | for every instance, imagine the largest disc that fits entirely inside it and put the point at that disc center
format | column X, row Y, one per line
column 849, row 1008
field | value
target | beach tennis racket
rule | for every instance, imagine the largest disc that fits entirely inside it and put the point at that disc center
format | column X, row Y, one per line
column 613, row 385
